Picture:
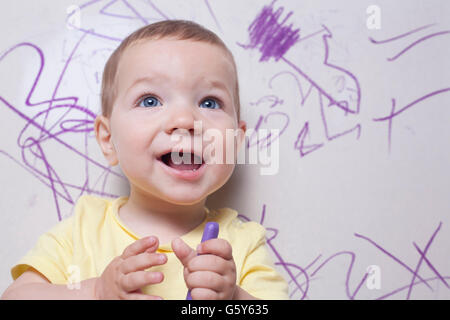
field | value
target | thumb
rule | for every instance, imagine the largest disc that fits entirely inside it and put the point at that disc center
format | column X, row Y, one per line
column 183, row 252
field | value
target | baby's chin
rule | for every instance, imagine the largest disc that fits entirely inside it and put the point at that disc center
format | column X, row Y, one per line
column 180, row 195
column 186, row 201
column 179, row 192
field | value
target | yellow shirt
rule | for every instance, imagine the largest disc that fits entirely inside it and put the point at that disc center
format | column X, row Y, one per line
column 81, row 246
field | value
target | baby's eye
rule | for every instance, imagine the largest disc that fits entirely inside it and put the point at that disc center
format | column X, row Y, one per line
column 210, row 103
column 149, row 101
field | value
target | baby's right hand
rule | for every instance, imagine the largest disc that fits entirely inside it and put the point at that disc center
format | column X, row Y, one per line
column 124, row 277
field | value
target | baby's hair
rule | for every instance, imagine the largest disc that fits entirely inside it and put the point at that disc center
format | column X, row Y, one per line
column 178, row 29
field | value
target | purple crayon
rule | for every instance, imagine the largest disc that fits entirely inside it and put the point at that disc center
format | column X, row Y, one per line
column 211, row 231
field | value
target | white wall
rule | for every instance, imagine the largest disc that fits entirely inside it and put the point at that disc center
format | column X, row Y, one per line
column 352, row 191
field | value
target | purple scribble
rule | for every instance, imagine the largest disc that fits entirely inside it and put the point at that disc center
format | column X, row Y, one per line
column 303, row 95
column 103, row 7
column 344, row 105
column 430, row 265
column 311, row 35
column 329, row 136
column 270, row 98
column 136, row 12
column 33, row 147
column 157, row 10
column 273, row 39
column 268, row 139
column 136, row 15
column 391, row 256
column 416, row 271
column 422, row 256
column 105, row 12
column 415, row 43
column 270, row 36
column 211, row 12
column 300, row 142
column 310, row 273
column 352, row 256
column 74, row 118
column 401, row 35
column 395, row 113
column 406, row 287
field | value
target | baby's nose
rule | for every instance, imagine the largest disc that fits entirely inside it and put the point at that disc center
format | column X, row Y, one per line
column 181, row 118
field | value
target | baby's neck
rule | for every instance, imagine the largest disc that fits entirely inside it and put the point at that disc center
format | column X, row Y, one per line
column 146, row 216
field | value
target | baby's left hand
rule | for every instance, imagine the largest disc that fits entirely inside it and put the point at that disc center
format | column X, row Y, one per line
column 210, row 275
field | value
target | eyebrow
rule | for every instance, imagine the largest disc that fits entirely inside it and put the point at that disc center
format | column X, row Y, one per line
column 141, row 80
column 213, row 83
column 219, row 85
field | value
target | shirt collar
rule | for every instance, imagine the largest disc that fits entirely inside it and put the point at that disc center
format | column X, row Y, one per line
column 192, row 238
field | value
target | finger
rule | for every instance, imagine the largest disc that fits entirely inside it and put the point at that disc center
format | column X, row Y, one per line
column 218, row 247
column 203, row 294
column 135, row 280
column 205, row 279
column 183, row 252
column 144, row 244
column 142, row 261
column 208, row 262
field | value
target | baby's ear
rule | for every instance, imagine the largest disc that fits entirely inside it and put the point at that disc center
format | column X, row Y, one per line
column 103, row 134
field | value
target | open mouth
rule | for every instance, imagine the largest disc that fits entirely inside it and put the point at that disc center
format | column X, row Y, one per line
column 182, row 161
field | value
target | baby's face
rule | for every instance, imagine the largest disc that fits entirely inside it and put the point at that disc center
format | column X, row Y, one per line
column 165, row 85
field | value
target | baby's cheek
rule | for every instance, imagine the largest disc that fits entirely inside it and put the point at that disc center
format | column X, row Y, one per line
column 221, row 173
column 230, row 146
column 134, row 160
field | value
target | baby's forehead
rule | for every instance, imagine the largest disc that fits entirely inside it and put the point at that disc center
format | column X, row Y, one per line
column 164, row 46
column 168, row 55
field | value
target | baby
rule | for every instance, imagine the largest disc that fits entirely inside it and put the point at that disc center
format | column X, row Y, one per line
column 166, row 90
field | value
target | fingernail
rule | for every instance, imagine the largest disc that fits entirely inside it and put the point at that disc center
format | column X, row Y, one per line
column 151, row 240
